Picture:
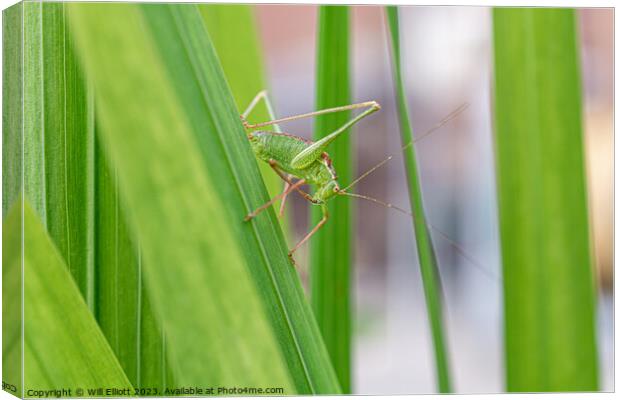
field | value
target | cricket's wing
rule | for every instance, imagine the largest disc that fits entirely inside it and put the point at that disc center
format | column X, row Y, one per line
column 311, row 153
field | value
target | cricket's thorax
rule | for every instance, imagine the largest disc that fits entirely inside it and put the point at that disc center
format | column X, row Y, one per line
column 283, row 147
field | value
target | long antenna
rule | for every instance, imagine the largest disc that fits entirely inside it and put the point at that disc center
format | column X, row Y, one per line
column 438, row 125
column 370, row 171
column 383, row 203
column 444, row 235
column 464, row 254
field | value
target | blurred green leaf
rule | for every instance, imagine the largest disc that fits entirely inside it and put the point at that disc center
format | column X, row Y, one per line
column 188, row 176
column 426, row 253
column 548, row 278
column 63, row 346
column 332, row 246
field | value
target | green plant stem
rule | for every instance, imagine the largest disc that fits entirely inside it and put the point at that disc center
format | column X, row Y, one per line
column 331, row 248
column 426, row 254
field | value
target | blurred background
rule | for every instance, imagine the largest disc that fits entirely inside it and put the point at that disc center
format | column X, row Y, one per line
column 447, row 58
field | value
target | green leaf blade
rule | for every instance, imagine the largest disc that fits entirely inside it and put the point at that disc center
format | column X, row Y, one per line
column 59, row 139
column 548, row 279
column 65, row 180
column 263, row 245
column 13, row 109
column 191, row 215
column 72, row 352
column 13, row 105
column 119, row 285
column 331, row 248
column 426, row 254
column 196, row 280
column 234, row 35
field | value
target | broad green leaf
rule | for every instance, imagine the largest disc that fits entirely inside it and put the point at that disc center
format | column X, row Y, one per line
column 332, row 246
column 547, row 264
column 186, row 200
column 63, row 346
column 426, row 254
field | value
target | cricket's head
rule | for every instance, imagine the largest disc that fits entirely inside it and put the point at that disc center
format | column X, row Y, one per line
column 327, row 191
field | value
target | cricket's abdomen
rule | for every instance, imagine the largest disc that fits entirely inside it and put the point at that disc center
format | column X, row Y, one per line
column 277, row 146
column 282, row 148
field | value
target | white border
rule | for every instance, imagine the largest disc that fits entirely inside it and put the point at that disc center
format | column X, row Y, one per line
column 503, row 3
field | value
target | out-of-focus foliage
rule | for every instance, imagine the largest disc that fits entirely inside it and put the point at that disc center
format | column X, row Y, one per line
column 63, row 345
column 547, row 263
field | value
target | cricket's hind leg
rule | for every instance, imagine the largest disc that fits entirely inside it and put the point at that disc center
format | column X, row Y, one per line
column 310, row 234
column 262, row 95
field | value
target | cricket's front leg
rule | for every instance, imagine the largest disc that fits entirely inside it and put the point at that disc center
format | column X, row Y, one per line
column 288, row 179
column 270, row 202
column 310, row 234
